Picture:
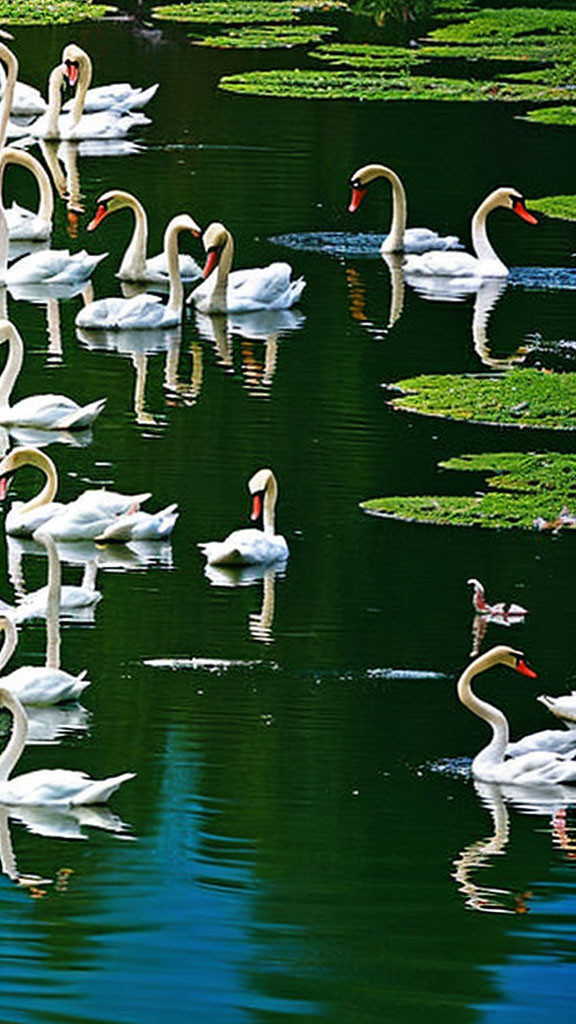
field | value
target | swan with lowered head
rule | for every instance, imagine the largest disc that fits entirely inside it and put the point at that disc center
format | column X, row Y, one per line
column 145, row 311
column 78, row 70
column 36, row 684
column 536, row 759
column 485, row 262
column 223, row 291
column 135, row 266
column 563, row 707
column 113, row 123
column 86, row 518
column 54, row 786
column 502, row 609
column 254, row 545
column 400, row 238
column 43, row 412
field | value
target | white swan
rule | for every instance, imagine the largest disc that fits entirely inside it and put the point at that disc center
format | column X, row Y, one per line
column 43, row 412
column 23, row 224
column 27, row 100
column 135, row 266
column 253, row 545
column 110, row 124
column 541, row 764
column 145, row 311
column 400, row 238
column 485, row 262
column 36, row 684
column 563, row 707
column 502, row 609
column 48, row 785
column 241, row 291
column 78, row 70
column 140, row 525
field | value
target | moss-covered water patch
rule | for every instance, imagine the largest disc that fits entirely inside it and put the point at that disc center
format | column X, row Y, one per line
column 366, row 55
column 243, row 12
column 507, row 25
column 520, row 398
column 525, row 491
column 266, row 37
column 50, row 12
column 563, row 116
column 561, row 207
column 331, row 85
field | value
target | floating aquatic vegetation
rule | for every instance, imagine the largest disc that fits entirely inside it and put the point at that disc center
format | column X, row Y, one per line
column 50, row 12
column 525, row 491
column 565, row 116
column 329, row 85
column 520, row 398
column 507, row 25
column 562, row 207
column 266, row 37
column 366, row 55
column 243, row 12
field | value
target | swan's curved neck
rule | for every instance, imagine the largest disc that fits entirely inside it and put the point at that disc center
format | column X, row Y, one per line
column 38, row 459
column 83, row 84
column 494, row 752
column 219, row 292
column 24, row 159
column 270, row 498
column 480, row 241
column 53, row 602
column 7, row 58
column 394, row 241
column 12, row 366
column 13, row 749
column 133, row 265
column 176, row 294
column 55, row 80
column 10, row 642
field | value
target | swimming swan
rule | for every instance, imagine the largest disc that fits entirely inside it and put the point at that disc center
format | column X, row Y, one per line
column 78, row 71
column 540, row 764
column 400, row 238
column 485, row 262
column 135, row 266
column 54, row 786
column 145, row 311
column 23, row 224
column 240, row 291
column 36, row 684
column 253, row 545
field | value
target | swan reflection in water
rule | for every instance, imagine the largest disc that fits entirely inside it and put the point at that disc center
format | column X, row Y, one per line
column 75, row 603
column 260, row 623
column 50, row 296
column 550, row 801
column 357, row 295
column 257, row 329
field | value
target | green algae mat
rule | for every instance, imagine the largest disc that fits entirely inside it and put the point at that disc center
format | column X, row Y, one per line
column 49, row 12
column 265, row 37
column 519, row 398
column 243, row 12
column 561, row 207
column 525, row 491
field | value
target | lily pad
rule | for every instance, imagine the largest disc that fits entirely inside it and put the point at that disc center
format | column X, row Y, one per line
column 564, row 116
column 522, row 397
column 508, row 24
column 50, row 12
column 561, row 207
column 266, row 37
column 243, row 12
column 525, row 491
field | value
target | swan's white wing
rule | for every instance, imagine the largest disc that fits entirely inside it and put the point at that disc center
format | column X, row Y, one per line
column 59, row 786
column 37, row 684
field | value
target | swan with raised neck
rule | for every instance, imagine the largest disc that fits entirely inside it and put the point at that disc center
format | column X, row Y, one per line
column 45, row 211
column 253, row 546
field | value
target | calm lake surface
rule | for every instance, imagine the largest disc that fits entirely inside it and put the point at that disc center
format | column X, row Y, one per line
column 293, row 850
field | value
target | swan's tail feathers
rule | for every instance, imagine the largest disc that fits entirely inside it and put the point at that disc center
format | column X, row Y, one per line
column 296, row 289
column 144, row 96
column 452, row 242
column 560, row 708
column 101, row 789
column 83, row 418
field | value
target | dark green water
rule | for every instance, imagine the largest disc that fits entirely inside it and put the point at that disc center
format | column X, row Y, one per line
column 295, row 850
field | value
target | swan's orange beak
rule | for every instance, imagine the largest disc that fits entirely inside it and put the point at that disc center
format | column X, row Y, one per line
column 211, row 262
column 524, row 669
column 519, row 208
column 256, row 508
column 356, row 198
column 4, row 482
column 71, row 71
column 98, row 217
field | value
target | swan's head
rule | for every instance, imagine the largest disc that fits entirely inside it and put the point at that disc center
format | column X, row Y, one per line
column 107, row 203
column 22, row 456
column 258, row 484
column 214, row 240
column 475, row 583
column 513, row 200
column 73, row 58
column 361, row 179
column 503, row 655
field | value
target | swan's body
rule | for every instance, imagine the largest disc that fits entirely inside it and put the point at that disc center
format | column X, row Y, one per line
column 51, row 266
column 23, row 224
column 36, row 684
column 135, row 266
column 241, row 291
column 400, row 238
column 252, row 546
column 144, row 311
column 83, row 519
column 563, row 707
column 114, row 123
column 78, row 70
column 538, row 766
column 140, row 526
column 500, row 610
column 485, row 262
column 55, row 786
column 27, row 101
column 43, row 412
